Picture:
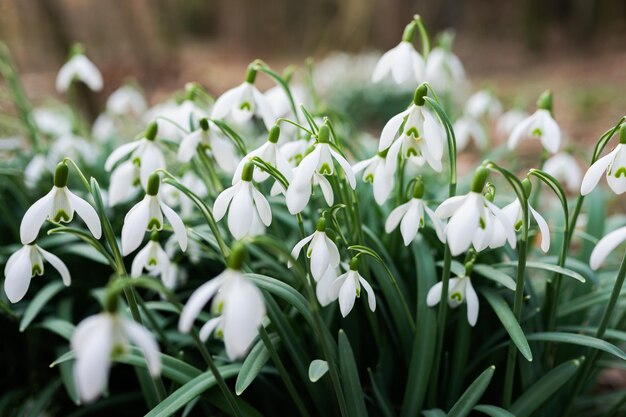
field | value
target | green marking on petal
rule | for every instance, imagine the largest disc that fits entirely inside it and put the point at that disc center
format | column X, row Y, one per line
column 621, row 171
column 117, row 350
column 537, row 132
column 61, row 216
column 369, row 178
column 154, row 224
column 482, row 223
column 457, row 296
column 422, row 222
column 358, row 292
column 412, row 152
column 326, row 169
column 152, row 262
column 245, row 106
column 219, row 333
column 413, row 132
column 137, row 161
column 37, row 270
column 518, row 225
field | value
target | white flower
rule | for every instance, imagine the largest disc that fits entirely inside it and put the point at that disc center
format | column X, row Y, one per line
column 58, row 206
column 24, row 265
column 347, row 287
column 126, row 100
column 460, row 290
column 565, row 169
column 74, row 147
column 483, row 104
column 147, row 215
column 104, row 128
column 35, row 170
column 375, row 171
column 209, row 136
column 403, row 62
column 52, row 121
column 270, row 153
column 145, row 151
column 312, row 169
column 444, row 70
column 124, row 182
column 244, row 102
column 295, row 150
column 410, row 217
column 245, row 205
column 513, row 212
column 420, row 140
column 153, row 259
column 509, row 120
column 98, row 339
column 614, row 164
column 279, row 101
column 239, row 307
column 605, row 246
column 466, row 128
column 322, row 251
column 79, row 67
column 172, row 117
column 539, row 125
column 473, row 218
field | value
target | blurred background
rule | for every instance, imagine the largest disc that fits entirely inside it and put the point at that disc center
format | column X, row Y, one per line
column 519, row 47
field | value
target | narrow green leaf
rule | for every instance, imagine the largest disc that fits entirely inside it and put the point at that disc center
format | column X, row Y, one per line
column 493, row 411
column 545, row 267
column 544, row 389
column 578, row 339
column 61, row 327
column 504, row 313
column 317, row 369
column 434, row 412
column 495, row 275
column 284, row 291
column 179, row 398
column 382, row 399
column 38, row 302
column 472, row 395
column 252, row 365
column 350, row 378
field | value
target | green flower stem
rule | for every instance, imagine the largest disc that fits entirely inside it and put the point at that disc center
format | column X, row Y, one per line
column 282, row 371
column 424, row 38
column 216, row 185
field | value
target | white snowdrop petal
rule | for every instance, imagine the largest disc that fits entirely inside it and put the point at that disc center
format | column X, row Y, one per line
column 151, row 159
column 471, row 299
column 371, row 297
column 220, row 206
column 296, row 249
column 543, row 228
column 264, row 108
column 434, row 294
column 57, row 264
column 93, row 359
column 135, row 225
column 395, row 217
column 297, row 199
column 240, row 212
column 120, row 153
column 347, row 295
column 551, row 135
column 145, row 341
column 262, row 206
column 333, row 291
column 189, row 144
column 87, row 213
column 17, row 277
column 390, row 130
column 209, row 327
column 198, row 299
column 34, row 218
column 347, row 169
column 177, row 224
column 383, row 66
column 140, row 261
column 463, row 225
column 327, row 190
column 595, row 171
column 121, row 183
column 224, row 104
column 519, row 132
column 450, row 206
column 410, row 224
column 319, row 257
column 605, row 246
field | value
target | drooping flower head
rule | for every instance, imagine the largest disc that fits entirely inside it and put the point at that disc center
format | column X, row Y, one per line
column 244, row 102
column 565, row 169
column 147, row 215
column 58, row 206
column 415, row 134
column 126, row 100
column 209, row 137
column 466, row 128
column 322, row 251
column 375, row 171
column 347, row 288
column 614, row 164
column 403, row 62
column 248, row 209
column 483, row 105
column 444, row 70
column 25, row 264
column 153, row 259
column 540, row 125
column 80, row 68
column 460, row 291
column 238, row 307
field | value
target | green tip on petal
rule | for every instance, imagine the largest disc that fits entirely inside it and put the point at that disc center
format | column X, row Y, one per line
column 60, row 175
column 323, row 135
column 545, row 101
column 251, row 74
column 154, row 181
column 354, row 264
column 204, row 124
column 480, row 177
column 420, row 93
column 274, row 134
column 77, row 49
column 409, row 30
column 246, row 172
column 237, row 256
column 622, row 134
column 151, row 131
column 321, row 225
column 528, row 187
column 418, row 189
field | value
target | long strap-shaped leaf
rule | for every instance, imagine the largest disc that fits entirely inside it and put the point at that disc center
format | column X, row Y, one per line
column 578, row 339
column 350, row 378
column 472, row 395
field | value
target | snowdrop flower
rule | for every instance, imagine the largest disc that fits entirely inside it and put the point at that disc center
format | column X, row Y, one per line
column 539, row 125
column 78, row 67
column 97, row 340
column 421, row 138
column 153, row 259
column 279, row 100
column 52, row 122
column 605, row 246
column 410, row 216
column 466, row 128
column 614, row 164
column 509, row 120
column 24, row 265
column 125, row 100
column 444, row 70
column 147, row 215
column 295, row 150
column 124, row 182
column 312, row 169
column 375, row 171
column 245, row 205
column 104, row 128
column 460, row 291
column 347, row 288
column 35, row 170
column 403, row 62
column 144, row 151
column 473, row 218
column 565, row 169
column 270, row 153
column 237, row 303
column 170, row 116
column 209, row 136
column 483, row 104
column 58, row 206
column 74, row 147
column 244, row 102
column 322, row 251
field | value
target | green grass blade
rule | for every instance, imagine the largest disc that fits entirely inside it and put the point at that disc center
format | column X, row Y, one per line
column 578, row 339
column 39, row 302
column 350, row 378
column 472, row 395
column 252, row 365
column 493, row 411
